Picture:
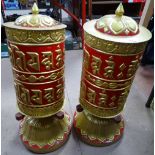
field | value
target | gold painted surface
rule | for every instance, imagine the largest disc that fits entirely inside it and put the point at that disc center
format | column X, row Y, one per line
column 48, row 96
column 121, row 67
column 97, row 131
column 109, row 70
column 107, row 107
column 86, row 59
column 107, row 84
column 113, row 47
column 52, row 132
column 107, row 79
column 35, row 44
column 19, row 61
column 30, row 101
column 91, row 94
column 117, row 24
column 34, row 61
column 100, row 87
column 36, row 37
column 28, row 95
column 102, row 112
column 37, row 73
column 40, row 112
column 47, row 60
column 41, row 78
column 103, row 99
column 35, row 20
column 96, row 64
column 113, row 54
column 23, row 75
column 59, row 57
column 39, row 83
column 132, row 68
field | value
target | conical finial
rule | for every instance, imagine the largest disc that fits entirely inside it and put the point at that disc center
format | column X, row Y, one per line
column 120, row 10
column 35, row 9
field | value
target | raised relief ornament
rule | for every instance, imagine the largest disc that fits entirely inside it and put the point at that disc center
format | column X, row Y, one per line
column 113, row 48
column 36, row 47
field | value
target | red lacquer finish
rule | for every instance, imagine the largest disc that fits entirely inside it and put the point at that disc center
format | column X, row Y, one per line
column 106, row 78
column 38, row 73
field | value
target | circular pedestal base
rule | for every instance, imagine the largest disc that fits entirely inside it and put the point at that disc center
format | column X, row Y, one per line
column 43, row 135
column 97, row 131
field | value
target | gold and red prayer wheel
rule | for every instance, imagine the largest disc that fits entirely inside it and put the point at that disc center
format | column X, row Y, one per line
column 113, row 48
column 36, row 47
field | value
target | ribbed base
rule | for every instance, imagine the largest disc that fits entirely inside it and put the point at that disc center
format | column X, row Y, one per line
column 44, row 135
column 97, row 131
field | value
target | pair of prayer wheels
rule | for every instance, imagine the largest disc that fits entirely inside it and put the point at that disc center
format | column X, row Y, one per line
column 113, row 48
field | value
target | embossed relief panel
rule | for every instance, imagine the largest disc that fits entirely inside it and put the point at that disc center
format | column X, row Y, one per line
column 112, row 47
column 107, row 84
column 111, row 67
column 106, row 79
column 37, row 58
column 103, row 98
column 40, row 94
column 25, row 36
column 38, row 75
column 39, row 78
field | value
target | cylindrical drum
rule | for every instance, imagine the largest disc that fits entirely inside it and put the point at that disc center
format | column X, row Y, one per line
column 36, row 47
column 113, row 48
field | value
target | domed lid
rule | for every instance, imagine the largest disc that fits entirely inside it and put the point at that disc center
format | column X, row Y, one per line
column 118, row 28
column 117, row 24
column 35, row 21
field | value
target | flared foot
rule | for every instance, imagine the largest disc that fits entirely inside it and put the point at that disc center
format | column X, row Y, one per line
column 97, row 131
column 43, row 135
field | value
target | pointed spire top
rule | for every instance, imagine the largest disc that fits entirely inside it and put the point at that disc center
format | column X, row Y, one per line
column 35, row 9
column 120, row 10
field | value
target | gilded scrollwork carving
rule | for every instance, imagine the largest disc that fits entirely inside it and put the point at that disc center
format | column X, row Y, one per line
column 86, row 60
column 113, row 101
column 107, row 84
column 47, row 60
column 121, row 67
column 59, row 57
column 37, row 96
column 83, row 90
column 104, row 103
column 33, row 61
column 123, row 96
column 113, row 47
column 96, row 64
column 100, row 111
column 33, row 78
column 41, row 111
column 34, row 97
column 91, row 95
column 24, row 94
column 103, row 99
column 109, row 70
column 36, row 37
column 49, row 94
column 59, row 91
column 132, row 68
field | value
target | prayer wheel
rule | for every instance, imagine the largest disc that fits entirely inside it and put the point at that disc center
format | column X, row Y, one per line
column 113, row 48
column 36, row 47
